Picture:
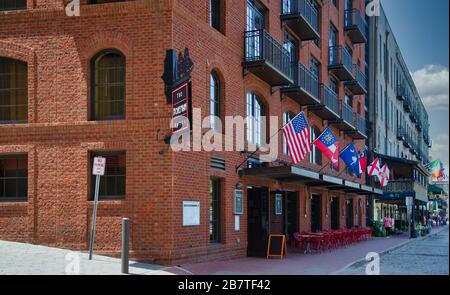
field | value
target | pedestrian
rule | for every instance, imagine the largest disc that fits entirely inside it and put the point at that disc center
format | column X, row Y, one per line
column 387, row 223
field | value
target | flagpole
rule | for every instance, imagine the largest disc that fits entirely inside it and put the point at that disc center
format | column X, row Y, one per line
column 324, row 166
column 257, row 148
column 281, row 128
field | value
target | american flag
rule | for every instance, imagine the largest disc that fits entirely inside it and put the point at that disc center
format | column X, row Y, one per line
column 298, row 138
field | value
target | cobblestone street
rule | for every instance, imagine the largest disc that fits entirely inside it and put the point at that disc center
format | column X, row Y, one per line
column 428, row 256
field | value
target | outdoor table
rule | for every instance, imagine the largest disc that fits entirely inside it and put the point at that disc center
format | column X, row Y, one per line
column 308, row 239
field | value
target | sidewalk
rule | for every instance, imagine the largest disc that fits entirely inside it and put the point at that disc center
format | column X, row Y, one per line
column 28, row 259
column 297, row 263
column 20, row 258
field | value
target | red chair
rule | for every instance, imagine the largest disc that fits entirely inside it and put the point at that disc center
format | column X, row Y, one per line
column 297, row 241
column 316, row 243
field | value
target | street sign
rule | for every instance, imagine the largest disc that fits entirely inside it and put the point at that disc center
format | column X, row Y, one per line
column 99, row 166
column 98, row 169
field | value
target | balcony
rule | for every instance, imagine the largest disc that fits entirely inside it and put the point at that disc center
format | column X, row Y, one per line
column 407, row 105
column 267, row 59
column 358, row 86
column 302, row 18
column 413, row 148
column 426, row 137
column 355, row 26
column 305, row 89
column 340, row 63
column 328, row 109
column 413, row 117
column 346, row 121
column 401, row 134
column 401, row 92
column 400, row 186
column 360, row 131
column 407, row 140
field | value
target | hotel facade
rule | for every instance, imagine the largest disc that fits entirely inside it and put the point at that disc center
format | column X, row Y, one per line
column 399, row 126
column 101, row 84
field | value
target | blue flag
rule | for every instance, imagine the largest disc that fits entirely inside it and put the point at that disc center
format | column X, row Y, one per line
column 351, row 158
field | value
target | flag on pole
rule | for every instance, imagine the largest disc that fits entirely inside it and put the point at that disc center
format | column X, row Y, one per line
column 362, row 162
column 329, row 146
column 298, row 138
column 350, row 157
column 435, row 168
column 384, row 175
column 374, row 168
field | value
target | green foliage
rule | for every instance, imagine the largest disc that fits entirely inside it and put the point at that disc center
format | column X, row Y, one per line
column 378, row 230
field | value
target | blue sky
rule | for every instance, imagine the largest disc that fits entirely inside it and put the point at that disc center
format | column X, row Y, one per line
column 421, row 28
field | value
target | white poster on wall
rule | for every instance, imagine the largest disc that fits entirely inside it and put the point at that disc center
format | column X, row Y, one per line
column 191, row 213
column 237, row 222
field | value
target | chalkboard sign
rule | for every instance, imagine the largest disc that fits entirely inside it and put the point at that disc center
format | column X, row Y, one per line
column 276, row 246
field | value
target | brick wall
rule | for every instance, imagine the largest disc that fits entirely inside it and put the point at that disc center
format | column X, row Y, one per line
column 59, row 136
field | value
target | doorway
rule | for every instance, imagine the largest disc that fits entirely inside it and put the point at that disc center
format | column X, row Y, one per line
column 315, row 213
column 335, row 213
column 257, row 220
column 291, row 224
column 349, row 213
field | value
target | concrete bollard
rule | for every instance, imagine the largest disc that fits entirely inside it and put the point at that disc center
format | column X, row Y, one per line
column 125, row 245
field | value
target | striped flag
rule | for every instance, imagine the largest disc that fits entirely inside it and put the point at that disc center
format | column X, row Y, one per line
column 384, row 175
column 374, row 168
column 298, row 138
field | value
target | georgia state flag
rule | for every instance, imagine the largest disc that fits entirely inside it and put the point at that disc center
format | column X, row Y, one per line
column 329, row 146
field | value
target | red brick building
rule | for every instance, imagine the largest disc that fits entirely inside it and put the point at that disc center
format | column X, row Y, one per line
column 74, row 87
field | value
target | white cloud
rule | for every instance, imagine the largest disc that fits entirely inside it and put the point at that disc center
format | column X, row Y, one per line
column 432, row 82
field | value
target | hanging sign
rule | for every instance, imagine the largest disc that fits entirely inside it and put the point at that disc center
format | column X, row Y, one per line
column 180, row 107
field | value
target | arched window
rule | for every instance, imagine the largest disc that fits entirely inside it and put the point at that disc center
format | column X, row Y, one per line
column 255, row 112
column 108, row 85
column 13, row 91
column 12, row 5
column 315, row 156
column 215, row 95
column 287, row 117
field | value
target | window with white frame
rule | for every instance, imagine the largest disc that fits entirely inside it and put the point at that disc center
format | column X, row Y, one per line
column 255, row 113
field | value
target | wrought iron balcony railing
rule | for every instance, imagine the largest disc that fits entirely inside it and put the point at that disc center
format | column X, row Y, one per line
column 347, row 113
column 360, row 124
column 267, row 58
column 355, row 26
column 330, row 99
column 340, row 62
column 358, row 86
column 302, row 17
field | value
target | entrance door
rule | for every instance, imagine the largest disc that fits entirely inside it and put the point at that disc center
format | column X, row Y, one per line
column 291, row 219
column 334, row 213
column 349, row 213
column 257, row 221
column 315, row 213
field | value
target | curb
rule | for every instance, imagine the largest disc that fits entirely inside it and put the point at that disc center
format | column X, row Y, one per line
column 389, row 250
